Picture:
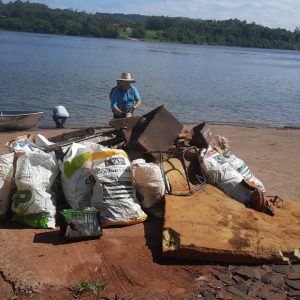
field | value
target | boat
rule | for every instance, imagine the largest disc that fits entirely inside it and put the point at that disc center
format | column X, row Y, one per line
column 19, row 120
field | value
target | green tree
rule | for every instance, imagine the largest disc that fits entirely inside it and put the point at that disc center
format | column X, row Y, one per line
column 138, row 32
column 35, row 17
column 72, row 27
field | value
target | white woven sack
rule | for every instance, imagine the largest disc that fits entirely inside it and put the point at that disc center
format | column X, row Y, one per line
column 6, row 181
column 33, row 203
column 114, row 194
column 76, row 179
column 221, row 174
column 240, row 166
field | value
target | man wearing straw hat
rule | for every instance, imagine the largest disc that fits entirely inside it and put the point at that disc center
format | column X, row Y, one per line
column 125, row 97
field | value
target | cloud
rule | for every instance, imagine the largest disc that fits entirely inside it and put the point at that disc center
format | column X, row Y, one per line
column 271, row 13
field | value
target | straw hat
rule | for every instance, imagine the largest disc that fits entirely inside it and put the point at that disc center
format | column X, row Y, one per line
column 126, row 77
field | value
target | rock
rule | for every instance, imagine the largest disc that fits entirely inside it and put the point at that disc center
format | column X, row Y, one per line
column 270, row 292
column 283, row 269
column 295, row 268
column 294, row 293
column 248, row 272
column 295, row 284
column 238, row 279
column 224, row 276
column 293, row 276
column 254, row 288
column 267, row 278
column 216, row 284
column 241, row 287
column 223, row 295
column 278, row 280
column 237, row 292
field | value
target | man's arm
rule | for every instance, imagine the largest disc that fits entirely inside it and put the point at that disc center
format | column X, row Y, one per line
column 137, row 98
column 137, row 104
column 114, row 101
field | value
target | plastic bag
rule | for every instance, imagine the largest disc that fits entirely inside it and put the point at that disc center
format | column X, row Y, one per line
column 42, row 141
column 150, row 185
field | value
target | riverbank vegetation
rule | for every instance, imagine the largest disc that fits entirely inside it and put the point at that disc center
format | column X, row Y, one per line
column 34, row 17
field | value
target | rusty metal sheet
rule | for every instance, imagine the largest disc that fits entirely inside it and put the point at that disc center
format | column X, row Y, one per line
column 202, row 135
column 125, row 126
column 156, row 130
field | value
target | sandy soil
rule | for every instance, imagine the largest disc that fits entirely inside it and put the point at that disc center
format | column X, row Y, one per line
column 128, row 259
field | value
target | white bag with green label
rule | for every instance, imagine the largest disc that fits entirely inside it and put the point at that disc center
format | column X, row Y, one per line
column 33, row 204
column 76, row 178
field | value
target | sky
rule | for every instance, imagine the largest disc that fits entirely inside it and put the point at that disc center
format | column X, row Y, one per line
column 271, row 13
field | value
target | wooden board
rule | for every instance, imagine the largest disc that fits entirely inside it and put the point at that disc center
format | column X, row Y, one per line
column 210, row 226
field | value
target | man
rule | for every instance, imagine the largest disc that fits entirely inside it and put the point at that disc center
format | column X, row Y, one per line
column 60, row 115
column 125, row 97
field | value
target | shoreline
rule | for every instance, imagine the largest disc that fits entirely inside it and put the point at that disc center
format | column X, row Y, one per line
column 217, row 123
column 48, row 124
column 241, row 124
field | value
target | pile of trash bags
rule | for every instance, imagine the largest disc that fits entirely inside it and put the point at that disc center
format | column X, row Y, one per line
column 122, row 178
column 90, row 175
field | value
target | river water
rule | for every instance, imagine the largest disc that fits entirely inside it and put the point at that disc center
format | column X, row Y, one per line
column 195, row 83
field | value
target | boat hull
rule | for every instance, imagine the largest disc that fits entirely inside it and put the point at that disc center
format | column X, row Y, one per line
column 19, row 120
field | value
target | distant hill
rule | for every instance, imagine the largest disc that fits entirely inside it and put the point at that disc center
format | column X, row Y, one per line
column 35, row 17
column 129, row 17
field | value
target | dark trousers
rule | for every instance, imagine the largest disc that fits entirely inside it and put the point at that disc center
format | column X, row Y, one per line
column 119, row 117
column 59, row 121
column 123, row 115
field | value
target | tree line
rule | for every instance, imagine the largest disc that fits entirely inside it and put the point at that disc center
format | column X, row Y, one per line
column 35, row 17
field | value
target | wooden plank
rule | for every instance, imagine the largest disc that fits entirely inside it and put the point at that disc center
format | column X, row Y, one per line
column 210, row 226
column 72, row 134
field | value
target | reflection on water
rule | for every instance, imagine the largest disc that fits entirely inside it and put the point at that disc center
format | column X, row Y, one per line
column 195, row 83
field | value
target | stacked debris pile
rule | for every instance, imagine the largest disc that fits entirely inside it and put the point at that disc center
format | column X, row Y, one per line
column 214, row 209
